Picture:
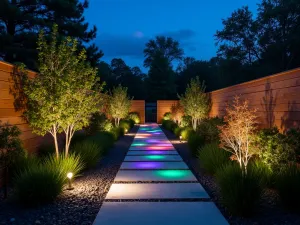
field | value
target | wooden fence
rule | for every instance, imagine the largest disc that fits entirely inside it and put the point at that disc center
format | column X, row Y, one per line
column 276, row 98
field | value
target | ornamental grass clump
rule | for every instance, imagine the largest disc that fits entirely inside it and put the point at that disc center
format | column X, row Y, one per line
column 65, row 164
column 39, row 184
column 195, row 142
column 288, row 186
column 212, row 157
column 89, row 152
column 240, row 192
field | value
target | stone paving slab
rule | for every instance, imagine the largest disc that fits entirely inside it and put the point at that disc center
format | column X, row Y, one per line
column 154, row 165
column 158, row 213
column 157, row 191
column 154, row 152
column 151, row 158
column 154, row 175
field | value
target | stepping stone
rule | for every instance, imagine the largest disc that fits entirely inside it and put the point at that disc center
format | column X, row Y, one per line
column 152, row 213
column 154, row 165
column 157, row 191
column 155, row 175
column 151, row 158
column 155, row 152
column 168, row 148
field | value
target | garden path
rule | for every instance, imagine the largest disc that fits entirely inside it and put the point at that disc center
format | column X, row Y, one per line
column 154, row 186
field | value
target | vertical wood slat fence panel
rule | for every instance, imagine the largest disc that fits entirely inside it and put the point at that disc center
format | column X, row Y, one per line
column 276, row 98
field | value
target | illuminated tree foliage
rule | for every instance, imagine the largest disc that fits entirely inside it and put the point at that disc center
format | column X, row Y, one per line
column 60, row 97
column 119, row 104
column 195, row 101
column 237, row 134
column 177, row 112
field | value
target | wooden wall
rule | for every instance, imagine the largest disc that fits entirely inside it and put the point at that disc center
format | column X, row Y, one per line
column 276, row 97
column 8, row 113
column 164, row 106
column 139, row 107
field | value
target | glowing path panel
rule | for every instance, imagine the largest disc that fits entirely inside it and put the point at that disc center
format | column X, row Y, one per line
column 154, row 175
column 157, row 213
column 149, row 158
column 157, row 191
column 154, row 166
column 154, row 152
column 162, row 148
column 153, row 170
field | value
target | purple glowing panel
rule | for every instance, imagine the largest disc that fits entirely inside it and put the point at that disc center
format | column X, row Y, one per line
column 153, row 166
column 155, row 152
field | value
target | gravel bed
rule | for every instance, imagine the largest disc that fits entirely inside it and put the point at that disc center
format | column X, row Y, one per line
column 269, row 212
column 78, row 206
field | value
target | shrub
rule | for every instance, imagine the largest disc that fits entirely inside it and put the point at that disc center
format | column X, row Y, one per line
column 288, row 186
column 274, row 149
column 125, row 125
column 89, row 152
column 135, row 117
column 209, row 130
column 267, row 175
column 169, row 125
column 186, row 121
column 293, row 138
column 194, row 142
column 117, row 132
column 212, row 157
column 185, row 133
column 72, row 163
column 167, row 116
column 11, row 150
column 131, row 121
column 105, row 140
column 240, row 191
column 177, row 131
column 98, row 123
column 38, row 184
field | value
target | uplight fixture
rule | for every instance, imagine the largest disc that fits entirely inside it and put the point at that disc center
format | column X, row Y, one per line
column 70, row 175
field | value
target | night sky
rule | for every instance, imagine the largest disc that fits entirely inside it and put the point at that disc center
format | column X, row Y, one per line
column 124, row 26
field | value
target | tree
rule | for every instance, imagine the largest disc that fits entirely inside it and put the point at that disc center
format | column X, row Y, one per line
column 60, row 97
column 237, row 134
column 161, row 79
column 195, row 101
column 166, row 47
column 119, row 104
column 176, row 112
column 239, row 37
column 82, row 98
column 20, row 22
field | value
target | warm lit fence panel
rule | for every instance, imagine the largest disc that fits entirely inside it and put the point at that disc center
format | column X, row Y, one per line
column 276, row 97
column 8, row 113
column 164, row 106
column 139, row 107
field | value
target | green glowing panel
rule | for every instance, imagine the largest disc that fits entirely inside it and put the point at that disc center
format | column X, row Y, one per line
column 139, row 144
column 155, row 175
column 173, row 173
column 155, row 157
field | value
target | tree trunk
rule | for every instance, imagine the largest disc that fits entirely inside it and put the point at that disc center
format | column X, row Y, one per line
column 55, row 142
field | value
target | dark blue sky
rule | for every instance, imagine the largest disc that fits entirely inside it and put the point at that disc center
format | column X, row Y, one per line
column 124, row 26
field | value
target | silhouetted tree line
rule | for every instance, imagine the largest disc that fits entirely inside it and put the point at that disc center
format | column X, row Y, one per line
column 249, row 46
